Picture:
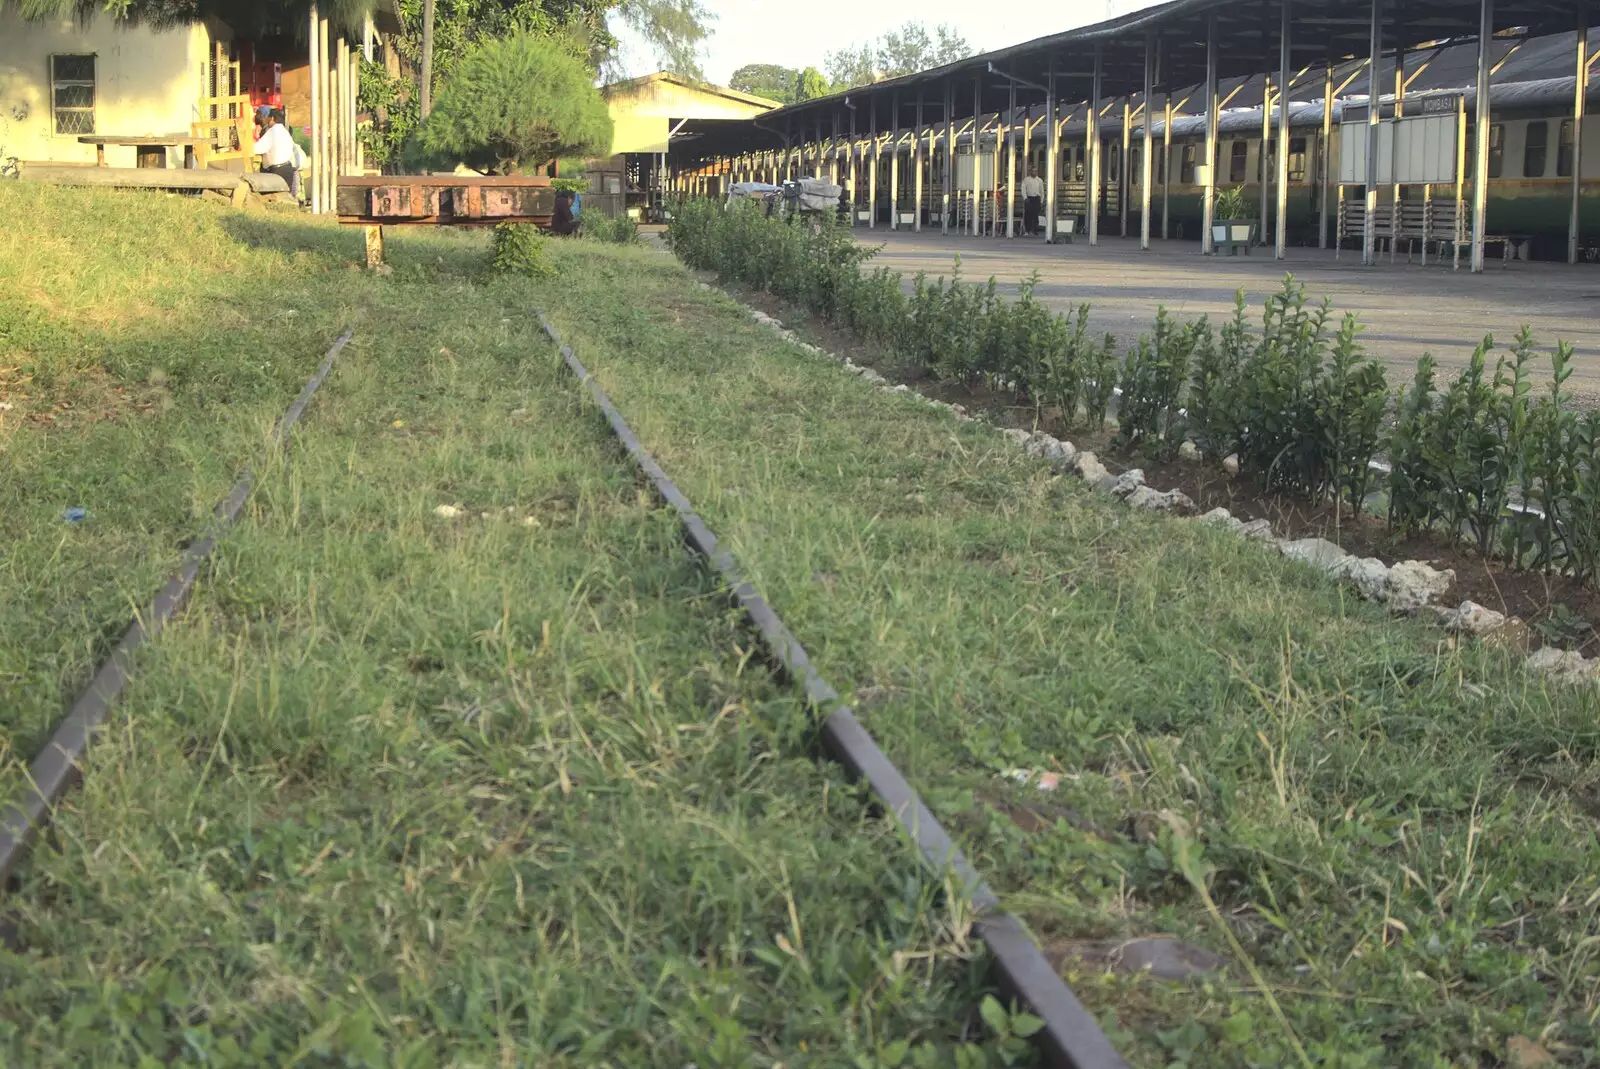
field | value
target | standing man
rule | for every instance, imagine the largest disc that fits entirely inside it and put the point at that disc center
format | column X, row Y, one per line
column 275, row 147
column 1032, row 201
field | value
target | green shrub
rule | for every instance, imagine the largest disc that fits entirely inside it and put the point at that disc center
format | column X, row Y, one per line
column 618, row 230
column 519, row 248
column 1153, row 381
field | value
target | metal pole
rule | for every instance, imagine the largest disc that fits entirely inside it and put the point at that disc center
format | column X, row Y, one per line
column 872, row 172
column 324, row 145
column 1094, row 151
column 1574, row 224
column 1480, row 159
column 1124, row 167
column 1166, row 163
column 894, row 166
column 1266, row 140
column 1146, row 163
column 1283, row 132
column 1208, row 196
column 1011, row 165
column 316, row 115
column 1325, row 154
column 948, row 159
column 1369, row 237
column 917, row 163
column 977, row 182
column 850, row 171
column 1052, row 143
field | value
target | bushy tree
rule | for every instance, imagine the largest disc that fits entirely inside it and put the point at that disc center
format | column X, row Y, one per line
column 907, row 50
column 766, row 80
column 519, row 101
column 810, row 84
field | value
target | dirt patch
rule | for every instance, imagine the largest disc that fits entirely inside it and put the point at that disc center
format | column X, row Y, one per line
column 1562, row 611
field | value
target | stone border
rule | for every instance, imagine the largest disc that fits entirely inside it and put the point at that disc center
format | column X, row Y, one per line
column 1406, row 588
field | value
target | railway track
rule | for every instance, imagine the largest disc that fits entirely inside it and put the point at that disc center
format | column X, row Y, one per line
column 1069, row 1036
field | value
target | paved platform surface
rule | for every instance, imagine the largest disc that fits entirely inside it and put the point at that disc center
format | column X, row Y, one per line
column 1406, row 309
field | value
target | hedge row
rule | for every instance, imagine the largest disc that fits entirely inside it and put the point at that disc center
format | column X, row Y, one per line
column 1296, row 398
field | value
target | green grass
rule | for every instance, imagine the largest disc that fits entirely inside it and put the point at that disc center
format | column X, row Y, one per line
column 506, row 788
column 335, row 809
column 1399, row 835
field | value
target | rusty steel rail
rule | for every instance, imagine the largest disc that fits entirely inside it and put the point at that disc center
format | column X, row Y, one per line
column 1071, row 1037
column 58, row 767
column 443, row 200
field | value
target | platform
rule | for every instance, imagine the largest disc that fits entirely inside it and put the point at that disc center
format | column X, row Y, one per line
column 1406, row 309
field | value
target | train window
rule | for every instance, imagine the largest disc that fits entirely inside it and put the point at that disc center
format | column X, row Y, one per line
column 1269, row 161
column 1135, row 165
column 1536, row 142
column 1497, row 149
column 1113, row 164
column 1161, row 164
column 1564, row 150
column 1238, row 158
column 1297, row 159
column 1186, row 165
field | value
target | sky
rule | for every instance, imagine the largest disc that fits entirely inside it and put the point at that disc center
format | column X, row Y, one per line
column 802, row 34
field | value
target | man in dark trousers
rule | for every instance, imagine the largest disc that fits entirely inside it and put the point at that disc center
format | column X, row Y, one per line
column 1032, row 201
column 275, row 147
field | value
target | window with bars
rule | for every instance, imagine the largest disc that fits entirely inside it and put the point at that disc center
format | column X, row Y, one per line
column 1534, row 149
column 1497, row 149
column 72, row 93
column 1297, row 159
column 1564, row 150
column 1186, row 165
column 1238, row 161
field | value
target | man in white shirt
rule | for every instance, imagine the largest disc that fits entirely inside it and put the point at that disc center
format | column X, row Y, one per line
column 1032, row 201
column 275, row 147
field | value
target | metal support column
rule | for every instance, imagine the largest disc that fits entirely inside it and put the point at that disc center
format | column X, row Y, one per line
column 948, row 174
column 872, row 169
column 1480, row 136
column 1094, row 149
column 1166, row 163
column 1325, row 155
column 317, row 162
column 1146, row 164
column 1011, row 166
column 1369, row 239
column 894, row 165
column 1052, row 146
column 1124, row 167
column 1283, row 132
column 1574, row 225
column 917, row 162
column 1208, row 196
column 1263, row 174
column 977, row 169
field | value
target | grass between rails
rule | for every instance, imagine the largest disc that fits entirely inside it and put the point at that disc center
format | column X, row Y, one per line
column 1399, row 834
column 402, row 790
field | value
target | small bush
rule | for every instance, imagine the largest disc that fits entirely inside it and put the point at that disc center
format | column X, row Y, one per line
column 620, row 230
column 1153, row 381
column 519, row 248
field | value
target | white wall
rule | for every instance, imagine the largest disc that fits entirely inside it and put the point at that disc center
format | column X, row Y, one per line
column 147, row 82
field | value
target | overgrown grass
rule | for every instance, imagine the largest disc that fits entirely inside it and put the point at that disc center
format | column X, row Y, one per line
column 409, row 789
column 1399, row 834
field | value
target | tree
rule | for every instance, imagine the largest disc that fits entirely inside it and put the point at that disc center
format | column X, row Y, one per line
column 674, row 28
column 907, row 50
column 518, row 101
column 766, row 80
column 809, row 85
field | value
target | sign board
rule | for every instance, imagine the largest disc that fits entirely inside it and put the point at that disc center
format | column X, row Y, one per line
column 964, row 171
column 1443, row 104
column 1415, row 150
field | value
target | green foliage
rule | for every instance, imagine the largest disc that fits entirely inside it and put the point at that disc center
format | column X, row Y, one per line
column 520, row 101
column 1231, row 204
column 519, row 248
column 396, row 114
column 907, row 50
column 810, row 84
column 1153, row 380
column 766, row 80
column 618, row 230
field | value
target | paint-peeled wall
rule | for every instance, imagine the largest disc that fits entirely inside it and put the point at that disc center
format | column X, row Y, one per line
column 146, row 82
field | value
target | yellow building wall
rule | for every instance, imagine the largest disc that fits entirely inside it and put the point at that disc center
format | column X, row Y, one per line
column 643, row 115
column 146, row 82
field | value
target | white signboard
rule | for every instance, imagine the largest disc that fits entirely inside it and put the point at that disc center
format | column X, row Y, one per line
column 985, row 171
column 1414, row 150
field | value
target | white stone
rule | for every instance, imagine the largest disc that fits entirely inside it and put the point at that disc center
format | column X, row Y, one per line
column 1230, row 463
column 1413, row 584
column 902, row 388
column 1089, row 468
column 1160, row 501
column 1018, row 435
column 1060, row 452
column 1188, row 451
column 871, row 375
column 448, row 512
column 1369, row 575
column 1125, row 484
column 1472, row 619
column 1221, row 517
column 1260, row 530
column 1317, row 552
column 1565, row 666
